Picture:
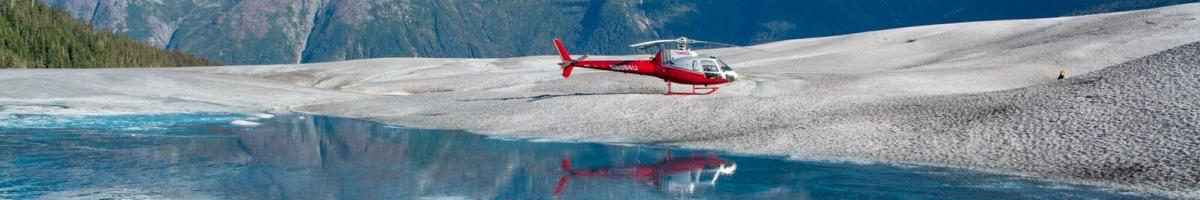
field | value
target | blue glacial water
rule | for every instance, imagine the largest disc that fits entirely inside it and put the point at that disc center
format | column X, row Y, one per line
column 203, row 156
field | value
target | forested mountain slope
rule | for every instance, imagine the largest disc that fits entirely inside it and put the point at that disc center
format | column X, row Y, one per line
column 33, row 35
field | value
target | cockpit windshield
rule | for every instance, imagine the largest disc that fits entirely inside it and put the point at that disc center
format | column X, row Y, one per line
column 724, row 67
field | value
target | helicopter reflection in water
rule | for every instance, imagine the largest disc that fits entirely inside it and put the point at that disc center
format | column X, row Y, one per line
column 681, row 175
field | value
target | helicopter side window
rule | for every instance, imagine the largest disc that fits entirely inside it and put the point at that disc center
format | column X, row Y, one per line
column 710, row 69
column 710, row 66
column 695, row 65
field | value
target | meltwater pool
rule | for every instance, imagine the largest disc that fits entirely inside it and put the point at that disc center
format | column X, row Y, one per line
column 205, row 156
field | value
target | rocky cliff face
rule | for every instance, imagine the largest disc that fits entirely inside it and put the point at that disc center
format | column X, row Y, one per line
column 291, row 31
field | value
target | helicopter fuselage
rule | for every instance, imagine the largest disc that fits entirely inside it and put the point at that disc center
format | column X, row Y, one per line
column 686, row 70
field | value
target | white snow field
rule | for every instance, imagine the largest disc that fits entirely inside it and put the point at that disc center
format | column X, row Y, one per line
column 980, row 95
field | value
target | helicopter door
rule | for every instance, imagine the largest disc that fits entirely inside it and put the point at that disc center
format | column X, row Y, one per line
column 711, row 69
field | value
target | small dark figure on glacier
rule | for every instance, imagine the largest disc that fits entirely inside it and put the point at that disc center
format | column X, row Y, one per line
column 1062, row 74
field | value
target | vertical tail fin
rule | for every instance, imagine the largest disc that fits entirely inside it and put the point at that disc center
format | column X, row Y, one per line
column 567, row 63
column 567, row 71
column 562, row 181
column 566, row 164
column 562, row 51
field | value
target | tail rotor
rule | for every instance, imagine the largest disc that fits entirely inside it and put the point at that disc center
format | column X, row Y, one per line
column 562, row 181
column 567, row 63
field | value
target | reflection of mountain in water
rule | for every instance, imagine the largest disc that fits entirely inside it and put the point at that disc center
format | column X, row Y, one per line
column 289, row 31
column 318, row 156
column 330, row 156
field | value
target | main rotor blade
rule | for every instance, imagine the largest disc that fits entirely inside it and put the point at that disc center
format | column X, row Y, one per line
column 647, row 44
column 728, row 45
column 714, row 43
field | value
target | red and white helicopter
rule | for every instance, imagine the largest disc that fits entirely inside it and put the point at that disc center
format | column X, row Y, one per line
column 681, row 174
column 679, row 65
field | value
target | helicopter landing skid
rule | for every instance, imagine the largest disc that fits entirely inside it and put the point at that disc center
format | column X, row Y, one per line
column 695, row 90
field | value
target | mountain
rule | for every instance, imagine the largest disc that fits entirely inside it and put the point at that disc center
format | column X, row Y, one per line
column 291, row 31
column 33, row 35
